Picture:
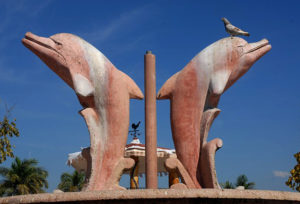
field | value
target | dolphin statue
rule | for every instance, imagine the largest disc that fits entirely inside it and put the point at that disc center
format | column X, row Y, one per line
column 104, row 93
column 195, row 91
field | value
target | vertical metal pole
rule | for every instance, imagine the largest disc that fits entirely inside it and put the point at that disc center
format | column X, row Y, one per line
column 150, row 121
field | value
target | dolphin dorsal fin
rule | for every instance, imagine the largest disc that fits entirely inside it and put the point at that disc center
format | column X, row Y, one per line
column 166, row 90
column 133, row 90
column 82, row 85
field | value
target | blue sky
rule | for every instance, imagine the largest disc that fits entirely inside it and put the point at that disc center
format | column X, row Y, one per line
column 259, row 122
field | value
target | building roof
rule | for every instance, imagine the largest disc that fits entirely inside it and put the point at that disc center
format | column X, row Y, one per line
column 133, row 149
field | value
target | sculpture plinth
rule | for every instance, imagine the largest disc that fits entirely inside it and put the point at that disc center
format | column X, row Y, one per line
column 166, row 196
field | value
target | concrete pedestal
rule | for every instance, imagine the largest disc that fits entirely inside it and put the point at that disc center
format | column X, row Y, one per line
column 161, row 196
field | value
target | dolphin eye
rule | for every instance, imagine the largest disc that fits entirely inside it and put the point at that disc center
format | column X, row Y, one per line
column 56, row 42
column 241, row 50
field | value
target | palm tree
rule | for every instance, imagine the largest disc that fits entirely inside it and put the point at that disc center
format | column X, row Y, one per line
column 242, row 180
column 71, row 183
column 227, row 185
column 24, row 177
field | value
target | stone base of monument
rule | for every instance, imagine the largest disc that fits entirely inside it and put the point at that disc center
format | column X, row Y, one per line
column 161, row 196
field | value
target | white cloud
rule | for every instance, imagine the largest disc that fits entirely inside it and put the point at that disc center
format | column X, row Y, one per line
column 42, row 5
column 281, row 174
column 13, row 9
column 120, row 24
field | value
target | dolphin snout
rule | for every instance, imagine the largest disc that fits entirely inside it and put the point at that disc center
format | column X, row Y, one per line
column 263, row 41
column 31, row 40
column 260, row 45
column 30, row 36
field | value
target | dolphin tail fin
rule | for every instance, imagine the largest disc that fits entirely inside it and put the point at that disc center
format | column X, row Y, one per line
column 134, row 91
column 165, row 91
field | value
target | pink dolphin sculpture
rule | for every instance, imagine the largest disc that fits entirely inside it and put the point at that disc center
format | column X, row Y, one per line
column 103, row 91
column 195, row 92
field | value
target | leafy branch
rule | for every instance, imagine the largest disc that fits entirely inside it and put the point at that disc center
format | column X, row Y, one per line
column 294, row 180
column 8, row 129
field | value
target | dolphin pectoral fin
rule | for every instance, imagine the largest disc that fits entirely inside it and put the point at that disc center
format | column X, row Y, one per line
column 82, row 85
column 166, row 90
column 134, row 91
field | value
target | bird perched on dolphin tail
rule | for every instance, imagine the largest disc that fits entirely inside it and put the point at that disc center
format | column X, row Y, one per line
column 232, row 30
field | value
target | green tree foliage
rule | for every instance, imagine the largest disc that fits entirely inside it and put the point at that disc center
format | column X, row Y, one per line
column 24, row 177
column 242, row 180
column 7, row 131
column 294, row 180
column 71, row 182
column 227, row 185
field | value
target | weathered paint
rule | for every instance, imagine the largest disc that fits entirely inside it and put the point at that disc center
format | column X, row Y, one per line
column 198, row 87
column 104, row 93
